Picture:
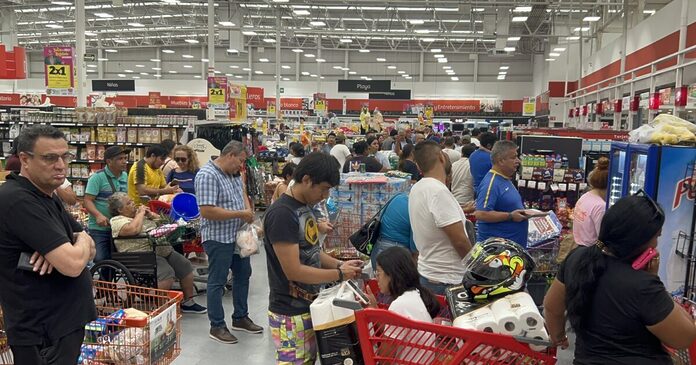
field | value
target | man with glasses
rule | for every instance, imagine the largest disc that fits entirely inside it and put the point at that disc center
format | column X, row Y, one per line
column 146, row 178
column 100, row 186
column 48, row 300
column 499, row 208
column 224, row 209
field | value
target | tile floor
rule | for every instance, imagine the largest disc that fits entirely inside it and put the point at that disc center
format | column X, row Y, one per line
column 199, row 349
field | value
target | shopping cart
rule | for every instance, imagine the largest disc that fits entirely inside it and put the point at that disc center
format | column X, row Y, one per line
column 388, row 338
column 153, row 338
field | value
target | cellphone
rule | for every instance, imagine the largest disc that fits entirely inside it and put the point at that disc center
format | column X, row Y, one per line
column 23, row 263
column 362, row 297
column 174, row 182
column 644, row 258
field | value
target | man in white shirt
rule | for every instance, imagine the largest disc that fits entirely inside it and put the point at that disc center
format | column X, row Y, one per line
column 462, row 181
column 474, row 137
column 454, row 156
column 340, row 150
column 437, row 221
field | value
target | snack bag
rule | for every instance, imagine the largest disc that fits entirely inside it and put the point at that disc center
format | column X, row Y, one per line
column 248, row 240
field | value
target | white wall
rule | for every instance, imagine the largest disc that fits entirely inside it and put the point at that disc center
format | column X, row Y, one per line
column 443, row 90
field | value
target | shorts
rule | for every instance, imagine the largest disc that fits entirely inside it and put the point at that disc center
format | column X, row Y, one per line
column 294, row 339
column 173, row 266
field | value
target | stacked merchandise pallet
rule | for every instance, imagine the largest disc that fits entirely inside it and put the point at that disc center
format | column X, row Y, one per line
column 90, row 131
column 359, row 197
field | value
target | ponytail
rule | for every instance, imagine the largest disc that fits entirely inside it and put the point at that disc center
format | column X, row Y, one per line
column 430, row 300
column 580, row 290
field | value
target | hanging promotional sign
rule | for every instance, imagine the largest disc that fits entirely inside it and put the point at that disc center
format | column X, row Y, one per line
column 320, row 106
column 529, row 107
column 217, row 92
column 270, row 108
column 59, row 69
column 238, row 102
column 428, row 114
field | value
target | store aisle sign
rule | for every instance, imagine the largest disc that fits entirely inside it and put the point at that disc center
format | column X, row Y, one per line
column 217, row 92
column 529, row 107
column 58, row 68
column 399, row 94
column 113, row 85
column 360, row 86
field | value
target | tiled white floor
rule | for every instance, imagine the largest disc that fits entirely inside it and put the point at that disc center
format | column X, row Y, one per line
column 199, row 349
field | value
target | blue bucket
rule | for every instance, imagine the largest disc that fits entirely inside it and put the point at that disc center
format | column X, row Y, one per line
column 185, row 206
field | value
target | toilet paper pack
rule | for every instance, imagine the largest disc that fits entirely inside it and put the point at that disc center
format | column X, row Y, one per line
column 508, row 322
column 481, row 319
column 524, row 308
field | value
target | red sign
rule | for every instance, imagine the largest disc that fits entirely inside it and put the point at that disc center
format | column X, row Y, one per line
column 154, row 98
column 654, row 101
column 9, row 99
column 618, row 104
column 179, row 102
column 635, row 103
column 255, row 97
column 456, row 106
column 681, row 95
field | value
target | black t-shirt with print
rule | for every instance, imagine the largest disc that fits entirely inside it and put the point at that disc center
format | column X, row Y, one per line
column 371, row 164
column 292, row 222
column 625, row 302
column 38, row 308
column 411, row 167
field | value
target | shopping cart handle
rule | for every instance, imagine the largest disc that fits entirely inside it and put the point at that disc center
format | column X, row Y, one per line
column 533, row 341
column 348, row 304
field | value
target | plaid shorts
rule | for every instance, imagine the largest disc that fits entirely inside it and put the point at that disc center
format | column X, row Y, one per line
column 293, row 337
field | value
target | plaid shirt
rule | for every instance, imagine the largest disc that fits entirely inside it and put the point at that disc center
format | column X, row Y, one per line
column 218, row 189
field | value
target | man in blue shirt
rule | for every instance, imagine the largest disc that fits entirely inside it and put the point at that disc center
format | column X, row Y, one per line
column 224, row 209
column 480, row 161
column 499, row 208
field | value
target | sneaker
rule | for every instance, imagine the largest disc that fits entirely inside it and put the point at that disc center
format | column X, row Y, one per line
column 222, row 335
column 194, row 308
column 245, row 324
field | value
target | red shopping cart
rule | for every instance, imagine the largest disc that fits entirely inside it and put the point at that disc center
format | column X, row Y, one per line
column 388, row 338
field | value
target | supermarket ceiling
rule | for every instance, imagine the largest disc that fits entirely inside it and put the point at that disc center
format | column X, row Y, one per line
column 519, row 26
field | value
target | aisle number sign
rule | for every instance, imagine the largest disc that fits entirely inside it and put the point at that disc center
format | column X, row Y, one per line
column 529, row 107
column 217, row 92
column 58, row 68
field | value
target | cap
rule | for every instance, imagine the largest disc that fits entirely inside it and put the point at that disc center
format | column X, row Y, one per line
column 114, row 151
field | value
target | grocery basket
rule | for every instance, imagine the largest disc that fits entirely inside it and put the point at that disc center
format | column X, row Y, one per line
column 5, row 353
column 388, row 338
column 152, row 338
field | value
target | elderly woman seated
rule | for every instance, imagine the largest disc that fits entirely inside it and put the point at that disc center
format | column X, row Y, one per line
column 129, row 227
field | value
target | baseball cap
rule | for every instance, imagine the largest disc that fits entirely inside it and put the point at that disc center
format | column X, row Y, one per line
column 114, row 151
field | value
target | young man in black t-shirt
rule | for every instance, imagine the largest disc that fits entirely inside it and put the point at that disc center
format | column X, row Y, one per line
column 46, row 308
column 360, row 150
column 296, row 264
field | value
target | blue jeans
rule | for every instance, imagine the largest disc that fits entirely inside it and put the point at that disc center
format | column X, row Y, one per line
column 221, row 258
column 436, row 288
column 381, row 245
column 102, row 244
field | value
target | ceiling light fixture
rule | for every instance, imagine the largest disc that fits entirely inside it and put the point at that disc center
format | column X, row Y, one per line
column 297, row 50
column 380, row 59
column 446, row 67
column 504, row 67
column 137, row 25
column 501, row 77
column 264, row 60
column 66, row 3
column 227, row 24
column 583, row 29
column 110, row 51
column 435, row 50
column 155, row 60
column 439, row 56
column 172, row 72
column 90, row 34
column 249, row 32
column 191, row 41
column 502, row 73
column 234, row 66
column 320, row 60
column 187, row 56
column 136, row 77
column 169, row 51
column 103, row 15
column 317, row 23
column 559, row 49
column 145, row 74
column 522, row 9
column 102, row 59
column 518, row 19
column 246, row 69
column 573, row 38
column 552, row 54
column 417, row 21
column 550, row 59
column 301, row 12
column 197, row 76
column 157, row 69
column 337, row 67
column 285, row 67
column 591, row 18
column 286, row 79
column 514, row 39
column 54, row 26
column 188, row 66
column 140, row 66
column 309, row 55
column 120, row 41
column 204, row 60
column 305, row 73
column 232, row 50
column 391, row 67
column 442, row 60
column 121, row 75
column 128, row 71
column 258, row 72
column 454, row 78
column 346, row 40
column 401, row 72
column 312, row 75
column 509, row 49
column 352, row 73
column 269, row 40
column 239, row 77
column 92, row 66
column 364, row 51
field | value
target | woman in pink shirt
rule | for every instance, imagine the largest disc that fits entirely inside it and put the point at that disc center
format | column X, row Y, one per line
column 590, row 208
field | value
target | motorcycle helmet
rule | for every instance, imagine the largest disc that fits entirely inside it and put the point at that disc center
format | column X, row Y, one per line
column 495, row 268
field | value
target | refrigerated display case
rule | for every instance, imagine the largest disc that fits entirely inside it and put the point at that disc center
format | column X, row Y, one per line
column 662, row 172
column 617, row 167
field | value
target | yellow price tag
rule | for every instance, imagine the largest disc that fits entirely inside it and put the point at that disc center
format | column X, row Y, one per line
column 59, row 76
column 529, row 109
column 216, row 96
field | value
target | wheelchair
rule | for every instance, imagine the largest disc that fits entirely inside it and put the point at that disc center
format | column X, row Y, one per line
column 140, row 268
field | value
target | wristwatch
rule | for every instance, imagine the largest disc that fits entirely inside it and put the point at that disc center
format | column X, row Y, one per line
column 340, row 263
column 509, row 216
column 340, row 274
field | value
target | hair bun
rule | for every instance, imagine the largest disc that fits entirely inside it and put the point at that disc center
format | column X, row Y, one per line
column 602, row 164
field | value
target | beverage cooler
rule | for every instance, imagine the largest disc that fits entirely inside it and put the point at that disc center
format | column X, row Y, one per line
column 665, row 173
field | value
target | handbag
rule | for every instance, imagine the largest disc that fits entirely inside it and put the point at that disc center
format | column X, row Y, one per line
column 365, row 238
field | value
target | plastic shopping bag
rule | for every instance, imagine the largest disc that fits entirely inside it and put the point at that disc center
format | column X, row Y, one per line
column 248, row 240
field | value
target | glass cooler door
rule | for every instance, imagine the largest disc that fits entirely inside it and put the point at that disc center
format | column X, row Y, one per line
column 639, row 168
column 616, row 178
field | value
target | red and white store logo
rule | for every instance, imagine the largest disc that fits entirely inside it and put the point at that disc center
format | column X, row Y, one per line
column 684, row 190
column 255, row 93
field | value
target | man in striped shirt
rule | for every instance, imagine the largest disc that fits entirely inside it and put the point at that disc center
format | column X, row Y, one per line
column 224, row 209
column 499, row 207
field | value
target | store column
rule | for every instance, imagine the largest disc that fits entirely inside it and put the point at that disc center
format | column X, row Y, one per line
column 8, row 28
column 211, row 38
column 277, row 66
column 682, row 45
column 318, row 64
column 79, row 55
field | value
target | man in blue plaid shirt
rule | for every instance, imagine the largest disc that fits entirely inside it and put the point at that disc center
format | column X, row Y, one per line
column 224, row 209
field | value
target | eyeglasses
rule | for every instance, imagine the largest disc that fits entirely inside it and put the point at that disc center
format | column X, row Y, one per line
column 658, row 210
column 52, row 158
column 180, row 159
